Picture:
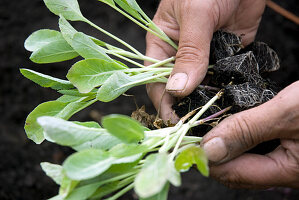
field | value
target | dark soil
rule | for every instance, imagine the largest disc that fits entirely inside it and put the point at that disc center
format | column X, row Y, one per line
column 20, row 174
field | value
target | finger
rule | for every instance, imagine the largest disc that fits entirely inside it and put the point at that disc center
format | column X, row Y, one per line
column 277, row 118
column 196, row 30
column 162, row 101
column 258, row 171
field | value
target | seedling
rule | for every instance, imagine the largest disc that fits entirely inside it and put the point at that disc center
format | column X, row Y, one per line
column 122, row 154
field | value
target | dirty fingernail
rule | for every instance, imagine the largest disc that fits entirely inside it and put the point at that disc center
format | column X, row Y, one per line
column 215, row 149
column 177, row 82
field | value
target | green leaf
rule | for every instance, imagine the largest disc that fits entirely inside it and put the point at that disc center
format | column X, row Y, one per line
column 87, row 164
column 109, row 2
column 45, row 80
column 32, row 128
column 51, row 108
column 69, row 9
column 112, row 87
column 66, row 29
column 73, row 108
column 190, row 156
column 124, row 5
column 110, row 188
column 54, row 171
column 161, row 195
column 124, row 128
column 75, row 92
column 67, row 133
column 153, row 175
column 87, row 48
column 67, row 186
column 104, row 141
column 119, row 83
column 122, row 150
column 91, row 73
column 41, row 38
column 83, row 192
column 68, row 32
column 174, row 176
column 90, row 124
column 134, row 5
column 68, row 98
column 55, row 51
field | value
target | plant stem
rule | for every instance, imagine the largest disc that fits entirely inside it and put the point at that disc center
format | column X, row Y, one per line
column 121, row 192
column 146, row 79
column 205, row 107
column 146, row 69
column 162, row 62
column 113, row 36
column 199, row 122
column 161, row 36
column 134, row 56
column 127, row 59
column 188, row 125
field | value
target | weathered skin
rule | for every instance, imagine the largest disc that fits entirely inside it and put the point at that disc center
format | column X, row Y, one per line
column 192, row 24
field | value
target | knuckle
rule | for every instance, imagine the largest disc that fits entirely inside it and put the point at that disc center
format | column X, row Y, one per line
column 247, row 132
column 230, row 179
column 189, row 52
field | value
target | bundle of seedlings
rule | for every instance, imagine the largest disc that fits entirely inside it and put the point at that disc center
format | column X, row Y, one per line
column 121, row 154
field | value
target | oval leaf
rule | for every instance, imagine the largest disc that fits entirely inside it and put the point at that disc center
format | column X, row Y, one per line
column 190, row 156
column 67, row 133
column 104, row 141
column 51, row 108
column 69, row 9
column 53, row 171
column 55, row 51
column 119, row 83
column 91, row 73
column 87, row 48
column 41, row 38
column 124, row 128
column 45, row 80
column 87, row 164
column 153, row 175
column 33, row 129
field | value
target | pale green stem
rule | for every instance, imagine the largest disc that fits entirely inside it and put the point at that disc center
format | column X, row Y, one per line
column 205, row 108
column 162, row 37
column 134, row 56
column 113, row 36
column 154, row 27
column 127, row 59
column 146, row 79
column 121, row 192
column 188, row 125
column 161, row 63
column 183, row 132
column 146, row 69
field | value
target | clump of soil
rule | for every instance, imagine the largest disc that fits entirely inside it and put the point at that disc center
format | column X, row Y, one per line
column 241, row 73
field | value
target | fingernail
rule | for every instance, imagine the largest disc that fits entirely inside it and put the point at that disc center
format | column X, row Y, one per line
column 215, row 149
column 177, row 82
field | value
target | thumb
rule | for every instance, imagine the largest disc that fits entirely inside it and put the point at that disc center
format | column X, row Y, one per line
column 242, row 131
column 192, row 57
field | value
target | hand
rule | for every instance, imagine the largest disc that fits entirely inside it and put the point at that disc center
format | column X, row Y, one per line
column 226, row 143
column 192, row 24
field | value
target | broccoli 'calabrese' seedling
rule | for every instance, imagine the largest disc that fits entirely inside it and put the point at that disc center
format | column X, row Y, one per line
column 122, row 154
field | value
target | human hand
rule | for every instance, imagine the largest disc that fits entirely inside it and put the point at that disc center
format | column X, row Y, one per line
column 275, row 119
column 192, row 24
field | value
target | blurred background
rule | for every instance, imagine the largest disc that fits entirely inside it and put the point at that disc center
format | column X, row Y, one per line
column 20, row 174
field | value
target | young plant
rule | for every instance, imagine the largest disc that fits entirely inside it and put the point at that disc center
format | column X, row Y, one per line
column 122, row 154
